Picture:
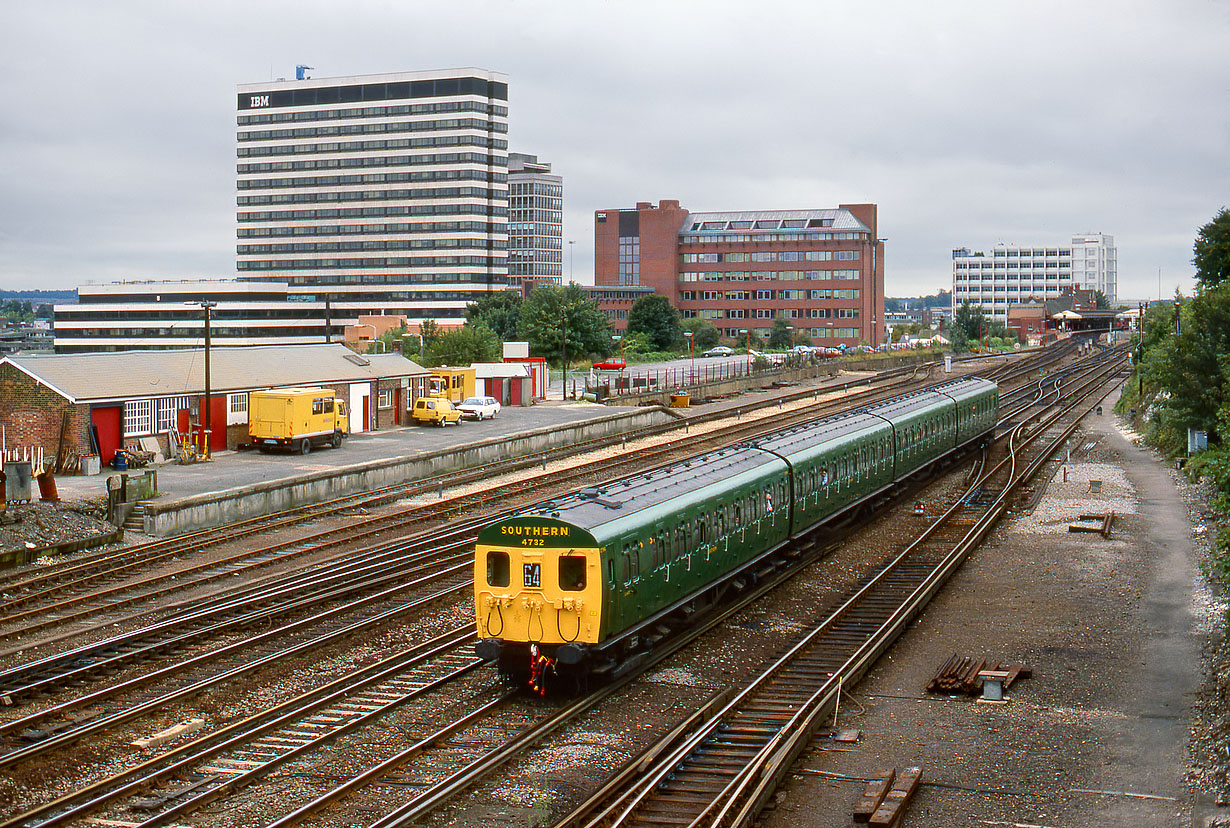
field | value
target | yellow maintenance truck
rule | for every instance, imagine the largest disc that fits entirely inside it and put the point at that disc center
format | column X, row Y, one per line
column 295, row 419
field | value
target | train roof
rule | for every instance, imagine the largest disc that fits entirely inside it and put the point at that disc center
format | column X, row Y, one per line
column 830, row 429
column 902, row 406
column 596, row 505
column 965, row 388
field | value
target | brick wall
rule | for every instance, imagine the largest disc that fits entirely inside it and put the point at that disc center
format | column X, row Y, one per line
column 32, row 414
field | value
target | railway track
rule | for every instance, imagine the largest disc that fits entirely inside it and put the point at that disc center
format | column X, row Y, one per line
column 416, row 808
column 720, row 769
column 35, row 603
column 84, row 602
column 777, row 424
column 19, row 581
column 19, row 586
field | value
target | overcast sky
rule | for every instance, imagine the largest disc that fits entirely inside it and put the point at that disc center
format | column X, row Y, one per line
column 968, row 123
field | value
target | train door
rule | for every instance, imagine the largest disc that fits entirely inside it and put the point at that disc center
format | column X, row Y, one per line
column 614, row 588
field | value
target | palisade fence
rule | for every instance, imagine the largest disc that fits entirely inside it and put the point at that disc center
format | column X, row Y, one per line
column 601, row 384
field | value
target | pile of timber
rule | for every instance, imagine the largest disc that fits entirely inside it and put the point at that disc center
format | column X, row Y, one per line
column 886, row 796
column 959, row 674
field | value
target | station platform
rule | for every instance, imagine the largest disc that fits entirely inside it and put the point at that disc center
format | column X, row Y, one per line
column 236, row 485
column 231, row 469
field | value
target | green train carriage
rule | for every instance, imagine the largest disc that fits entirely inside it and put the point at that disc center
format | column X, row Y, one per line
column 594, row 578
column 646, row 541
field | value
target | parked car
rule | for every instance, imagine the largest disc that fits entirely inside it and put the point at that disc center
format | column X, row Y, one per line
column 479, row 408
column 611, row 364
column 435, row 410
column 719, row 351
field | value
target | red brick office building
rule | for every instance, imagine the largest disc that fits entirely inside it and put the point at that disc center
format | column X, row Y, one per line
column 821, row 270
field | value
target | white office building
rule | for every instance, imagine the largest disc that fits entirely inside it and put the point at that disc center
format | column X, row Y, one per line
column 388, row 194
column 1009, row 274
column 372, row 195
column 166, row 315
column 535, row 221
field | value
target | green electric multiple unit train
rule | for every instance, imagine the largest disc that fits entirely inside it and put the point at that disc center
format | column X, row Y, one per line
column 589, row 582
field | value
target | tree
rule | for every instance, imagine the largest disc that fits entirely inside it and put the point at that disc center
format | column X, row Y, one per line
column 1191, row 366
column 781, row 335
column 550, row 307
column 654, row 316
column 499, row 311
column 704, row 333
column 430, row 333
column 1211, row 252
column 1102, row 302
column 968, row 322
column 464, row 346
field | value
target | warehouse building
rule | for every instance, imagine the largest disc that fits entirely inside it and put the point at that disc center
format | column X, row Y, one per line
column 93, row 404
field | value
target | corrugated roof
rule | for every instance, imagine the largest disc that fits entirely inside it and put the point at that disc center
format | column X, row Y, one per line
column 144, row 374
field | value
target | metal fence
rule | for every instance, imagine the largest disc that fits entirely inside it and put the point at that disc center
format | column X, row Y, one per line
column 632, row 380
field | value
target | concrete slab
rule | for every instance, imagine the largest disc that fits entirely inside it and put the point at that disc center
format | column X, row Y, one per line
column 231, row 469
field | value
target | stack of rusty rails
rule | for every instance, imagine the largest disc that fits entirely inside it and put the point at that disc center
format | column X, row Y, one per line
column 959, row 674
column 1103, row 528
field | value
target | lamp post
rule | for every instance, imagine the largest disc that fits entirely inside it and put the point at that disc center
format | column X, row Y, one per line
column 572, row 260
column 691, row 347
column 420, row 337
column 374, row 337
column 207, row 306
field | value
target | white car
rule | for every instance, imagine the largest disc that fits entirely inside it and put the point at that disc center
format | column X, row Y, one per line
column 479, row 408
column 719, row 351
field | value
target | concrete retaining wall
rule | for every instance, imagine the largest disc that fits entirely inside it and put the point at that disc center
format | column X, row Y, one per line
column 175, row 517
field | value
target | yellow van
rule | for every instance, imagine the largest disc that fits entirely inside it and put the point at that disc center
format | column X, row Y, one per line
column 435, row 410
column 296, row 419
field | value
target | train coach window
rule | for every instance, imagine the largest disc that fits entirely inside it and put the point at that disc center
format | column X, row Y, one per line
column 572, row 573
column 498, row 570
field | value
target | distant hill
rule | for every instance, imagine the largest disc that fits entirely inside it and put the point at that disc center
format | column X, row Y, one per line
column 40, row 297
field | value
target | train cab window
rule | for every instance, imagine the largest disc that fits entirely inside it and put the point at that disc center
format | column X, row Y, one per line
column 738, row 515
column 572, row 573
column 499, row 573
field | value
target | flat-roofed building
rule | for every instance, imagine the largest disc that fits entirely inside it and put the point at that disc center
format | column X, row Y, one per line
column 386, row 193
column 164, row 315
column 535, row 222
column 1012, row 274
column 821, row 270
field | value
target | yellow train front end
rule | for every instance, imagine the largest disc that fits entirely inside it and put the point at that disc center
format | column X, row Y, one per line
column 537, row 597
